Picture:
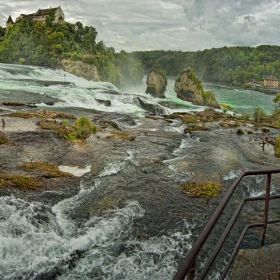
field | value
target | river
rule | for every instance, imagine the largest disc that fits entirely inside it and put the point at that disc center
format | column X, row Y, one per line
column 152, row 224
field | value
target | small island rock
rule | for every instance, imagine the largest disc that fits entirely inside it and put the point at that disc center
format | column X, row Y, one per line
column 156, row 84
column 189, row 88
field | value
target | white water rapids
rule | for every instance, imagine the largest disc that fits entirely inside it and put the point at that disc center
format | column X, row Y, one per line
column 39, row 241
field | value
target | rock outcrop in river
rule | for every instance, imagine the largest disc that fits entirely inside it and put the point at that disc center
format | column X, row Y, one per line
column 156, row 84
column 189, row 88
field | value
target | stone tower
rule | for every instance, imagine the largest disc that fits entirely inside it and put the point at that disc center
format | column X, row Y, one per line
column 9, row 21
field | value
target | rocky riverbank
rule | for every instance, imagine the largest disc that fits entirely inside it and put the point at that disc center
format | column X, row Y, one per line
column 149, row 166
column 132, row 159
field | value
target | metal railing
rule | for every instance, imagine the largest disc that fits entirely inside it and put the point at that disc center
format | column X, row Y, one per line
column 188, row 267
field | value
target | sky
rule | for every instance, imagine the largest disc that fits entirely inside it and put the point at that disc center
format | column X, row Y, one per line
column 187, row 25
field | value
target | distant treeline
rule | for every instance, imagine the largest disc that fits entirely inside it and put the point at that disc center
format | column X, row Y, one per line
column 46, row 44
column 230, row 65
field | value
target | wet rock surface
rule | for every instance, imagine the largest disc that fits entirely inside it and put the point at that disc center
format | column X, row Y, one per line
column 148, row 169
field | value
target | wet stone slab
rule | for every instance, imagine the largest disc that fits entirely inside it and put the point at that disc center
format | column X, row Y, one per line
column 257, row 264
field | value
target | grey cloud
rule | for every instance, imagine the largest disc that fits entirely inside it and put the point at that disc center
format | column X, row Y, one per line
column 166, row 24
column 234, row 22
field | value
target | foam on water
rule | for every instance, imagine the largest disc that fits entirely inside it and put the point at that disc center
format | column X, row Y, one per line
column 151, row 258
column 38, row 242
column 184, row 145
column 112, row 168
column 131, row 157
column 232, row 175
column 33, row 243
column 76, row 171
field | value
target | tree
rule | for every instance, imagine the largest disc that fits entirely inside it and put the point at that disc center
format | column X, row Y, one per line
column 258, row 114
column 277, row 99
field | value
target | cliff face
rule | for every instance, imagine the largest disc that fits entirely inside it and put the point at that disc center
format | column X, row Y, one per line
column 80, row 69
column 188, row 89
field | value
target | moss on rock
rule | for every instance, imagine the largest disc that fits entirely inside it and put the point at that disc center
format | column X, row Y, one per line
column 12, row 103
column 45, row 169
column 229, row 123
column 121, row 135
column 24, row 182
column 42, row 114
column 112, row 123
column 65, row 131
column 81, row 129
column 21, row 114
column 208, row 189
column 195, row 127
column 4, row 140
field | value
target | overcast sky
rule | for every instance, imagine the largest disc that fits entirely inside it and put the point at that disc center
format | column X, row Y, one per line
column 186, row 25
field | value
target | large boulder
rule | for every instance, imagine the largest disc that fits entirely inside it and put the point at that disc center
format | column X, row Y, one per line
column 156, row 84
column 189, row 88
column 154, row 109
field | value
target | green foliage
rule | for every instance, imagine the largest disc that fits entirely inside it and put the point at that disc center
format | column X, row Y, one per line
column 46, row 44
column 21, row 60
column 208, row 97
column 277, row 99
column 3, row 139
column 245, row 117
column 65, row 122
column 84, row 127
column 197, row 82
column 208, row 189
column 44, row 169
column 277, row 146
column 258, row 114
column 231, row 65
column 51, row 14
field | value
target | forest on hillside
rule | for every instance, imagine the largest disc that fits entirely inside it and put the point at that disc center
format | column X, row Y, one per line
column 46, row 44
column 229, row 65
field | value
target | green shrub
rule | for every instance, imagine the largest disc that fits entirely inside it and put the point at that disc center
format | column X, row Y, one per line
column 208, row 96
column 21, row 60
column 259, row 114
column 65, row 122
column 84, row 127
column 245, row 117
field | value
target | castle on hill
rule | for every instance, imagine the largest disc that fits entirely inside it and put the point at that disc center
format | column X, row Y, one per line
column 40, row 15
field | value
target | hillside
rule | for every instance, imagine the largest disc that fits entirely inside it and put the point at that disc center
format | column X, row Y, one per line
column 50, row 44
column 230, row 65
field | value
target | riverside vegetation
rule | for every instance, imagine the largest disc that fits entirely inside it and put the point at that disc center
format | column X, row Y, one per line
column 47, row 44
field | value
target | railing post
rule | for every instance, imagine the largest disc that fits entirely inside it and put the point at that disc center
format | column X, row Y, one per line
column 265, row 216
column 191, row 272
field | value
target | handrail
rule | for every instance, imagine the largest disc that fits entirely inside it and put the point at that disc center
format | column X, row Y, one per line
column 189, row 261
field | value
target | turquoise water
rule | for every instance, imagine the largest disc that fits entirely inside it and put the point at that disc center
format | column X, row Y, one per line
column 243, row 101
